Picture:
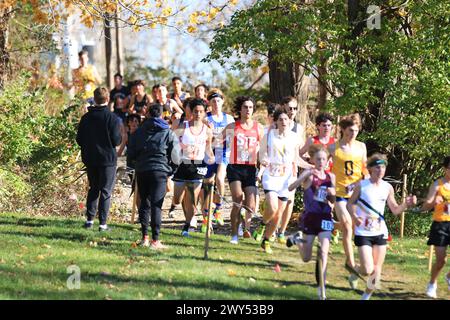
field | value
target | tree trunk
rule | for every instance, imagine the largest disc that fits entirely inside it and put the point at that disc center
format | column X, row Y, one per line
column 322, row 90
column 119, row 46
column 108, row 52
column 5, row 15
column 289, row 80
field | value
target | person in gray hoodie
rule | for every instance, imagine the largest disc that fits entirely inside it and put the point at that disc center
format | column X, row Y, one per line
column 154, row 149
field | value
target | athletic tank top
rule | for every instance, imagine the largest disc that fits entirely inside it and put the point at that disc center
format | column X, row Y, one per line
column 193, row 146
column 138, row 106
column 442, row 210
column 218, row 127
column 375, row 197
column 315, row 197
column 280, row 153
column 244, row 149
column 316, row 140
column 182, row 96
column 348, row 169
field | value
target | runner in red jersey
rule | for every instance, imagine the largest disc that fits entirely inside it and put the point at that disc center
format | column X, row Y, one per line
column 244, row 135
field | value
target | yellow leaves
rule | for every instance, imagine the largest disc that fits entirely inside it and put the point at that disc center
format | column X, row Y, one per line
column 231, row 272
column 233, row 2
column 167, row 11
column 192, row 29
column 322, row 45
column 88, row 21
column 193, row 18
column 402, row 12
column 265, row 69
column 39, row 16
column 132, row 20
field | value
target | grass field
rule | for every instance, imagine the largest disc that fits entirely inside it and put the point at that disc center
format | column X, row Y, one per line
column 36, row 252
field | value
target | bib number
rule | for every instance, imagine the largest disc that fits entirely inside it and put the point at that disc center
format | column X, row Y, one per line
column 321, row 194
column 277, row 170
column 372, row 224
column 327, row 225
column 202, row 171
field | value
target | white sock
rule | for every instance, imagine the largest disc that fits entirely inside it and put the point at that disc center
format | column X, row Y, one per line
column 103, row 226
column 366, row 296
column 90, row 222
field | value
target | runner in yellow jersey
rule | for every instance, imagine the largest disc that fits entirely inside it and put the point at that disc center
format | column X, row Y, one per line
column 439, row 198
column 349, row 159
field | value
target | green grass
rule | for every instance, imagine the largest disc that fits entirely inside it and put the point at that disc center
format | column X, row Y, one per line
column 35, row 254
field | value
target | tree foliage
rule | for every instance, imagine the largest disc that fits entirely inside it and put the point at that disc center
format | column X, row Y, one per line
column 396, row 77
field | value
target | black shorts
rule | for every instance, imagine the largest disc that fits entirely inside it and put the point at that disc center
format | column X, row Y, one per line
column 439, row 234
column 370, row 241
column 190, row 172
column 246, row 174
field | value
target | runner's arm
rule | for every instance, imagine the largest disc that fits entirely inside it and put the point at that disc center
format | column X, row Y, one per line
column 431, row 200
column 365, row 172
column 351, row 204
column 304, row 179
column 332, row 190
column 209, row 151
column 399, row 208
column 175, row 107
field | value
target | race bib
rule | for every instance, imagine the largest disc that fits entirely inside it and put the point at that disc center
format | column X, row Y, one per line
column 373, row 223
column 321, row 194
column 202, row 171
column 191, row 151
column 327, row 225
column 244, row 155
column 277, row 170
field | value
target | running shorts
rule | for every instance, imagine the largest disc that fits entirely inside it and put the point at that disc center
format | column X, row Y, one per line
column 246, row 174
column 439, row 234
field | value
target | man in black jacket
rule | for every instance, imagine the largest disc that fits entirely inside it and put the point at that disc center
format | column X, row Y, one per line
column 99, row 133
column 153, row 147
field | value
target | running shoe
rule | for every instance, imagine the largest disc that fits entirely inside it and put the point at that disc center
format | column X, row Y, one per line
column 247, row 234
column 265, row 245
column 282, row 239
column 234, row 240
column 145, row 242
column 353, row 281
column 432, row 290
column 218, row 218
column 157, row 245
column 171, row 212
column 272, row 238
column 185, row 234
column 88, row 225
column 366, row 296
column 104, row 228
column 335, row 237
column 321, row 296
column 294, row 239
column 259, row 233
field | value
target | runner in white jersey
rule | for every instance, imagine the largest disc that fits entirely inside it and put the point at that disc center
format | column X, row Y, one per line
column 366, row 206
column 278, row 155
column 195, row 142
column 217, row 120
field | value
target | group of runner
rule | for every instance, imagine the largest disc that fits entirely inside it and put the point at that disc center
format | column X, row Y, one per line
column 214, row 146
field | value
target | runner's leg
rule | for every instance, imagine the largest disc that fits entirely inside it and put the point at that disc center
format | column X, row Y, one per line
column 237, row 197
column 347, row 231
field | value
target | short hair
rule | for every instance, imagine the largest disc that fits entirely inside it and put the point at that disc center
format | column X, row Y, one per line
column 118, row 75
column 155, row 110
column 214, row 92
column 446, row 162
column 201, row 85
column 187, row 103
column 101, row 95
column 132, row 116
column 197, row 102
column 315, row 148
column 239, row 101
column 139, row 82
column 159, row 85
column 83, row 52
column 287, row 99
column 176, row 78
column 271, row 107
column 279, row 111
column 350, row 120
column 324, row 117
column 376, row 159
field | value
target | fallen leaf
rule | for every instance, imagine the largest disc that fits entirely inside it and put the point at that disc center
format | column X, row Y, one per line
column 252, row 280
column 40, row 257
column 134, row 245
column 277, row 268
column 46, row 246
column 160, row 295
column 231, row 273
